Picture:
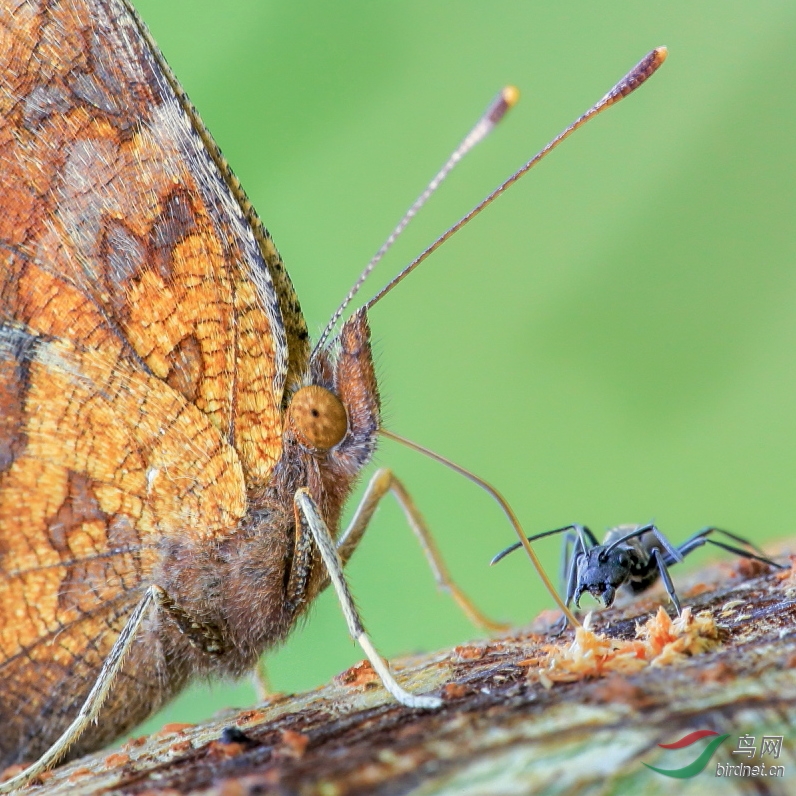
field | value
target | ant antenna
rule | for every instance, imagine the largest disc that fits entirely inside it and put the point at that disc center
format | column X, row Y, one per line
column 641, row 72
column 504, row 101
column 502, row 502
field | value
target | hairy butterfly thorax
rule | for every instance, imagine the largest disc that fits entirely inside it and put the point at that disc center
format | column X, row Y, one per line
column 247, row 592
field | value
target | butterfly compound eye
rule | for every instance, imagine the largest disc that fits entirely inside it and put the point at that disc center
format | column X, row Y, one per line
column 318, row 417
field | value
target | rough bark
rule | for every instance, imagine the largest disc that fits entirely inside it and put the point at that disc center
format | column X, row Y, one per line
column 505, row 727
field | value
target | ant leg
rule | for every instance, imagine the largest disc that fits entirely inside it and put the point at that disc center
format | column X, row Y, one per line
column 667, row 580
column 745, row 554
column 570, row 539
column 668, row 547
column 570, row 564
column 559, row 627
column 578, row 549
column 580, row 537
column 692, row 544
column 734, row 536
column 757, row 553
column 663, row 559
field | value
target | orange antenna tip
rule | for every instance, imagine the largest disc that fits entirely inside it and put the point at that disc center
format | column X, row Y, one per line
column 503, row 103
column 639, row 74
column 511, row 95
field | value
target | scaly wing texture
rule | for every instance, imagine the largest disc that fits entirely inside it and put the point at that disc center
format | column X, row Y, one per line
column 145, row 325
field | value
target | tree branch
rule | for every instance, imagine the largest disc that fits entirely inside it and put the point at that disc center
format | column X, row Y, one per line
column 509, row 724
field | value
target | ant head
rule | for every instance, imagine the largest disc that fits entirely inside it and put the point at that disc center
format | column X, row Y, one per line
column 601, row 573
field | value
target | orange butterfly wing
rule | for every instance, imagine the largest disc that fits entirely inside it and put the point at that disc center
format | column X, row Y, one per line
column 148, row 332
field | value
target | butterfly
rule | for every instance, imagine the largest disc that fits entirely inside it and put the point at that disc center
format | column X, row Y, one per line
column 174, row 458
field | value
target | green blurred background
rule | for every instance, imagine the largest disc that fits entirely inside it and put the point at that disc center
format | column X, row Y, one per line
column 613, row 341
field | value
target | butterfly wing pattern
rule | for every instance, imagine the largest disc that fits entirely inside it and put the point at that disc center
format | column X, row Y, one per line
column 149, row 341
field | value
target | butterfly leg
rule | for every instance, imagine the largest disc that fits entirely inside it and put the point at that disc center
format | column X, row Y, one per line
column 382, row 482
column 205, row 637
column 301, row 567
column 309, row 513
column 262, row 682
column 95, row 699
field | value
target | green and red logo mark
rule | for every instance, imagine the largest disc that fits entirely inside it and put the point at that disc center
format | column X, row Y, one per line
column 692, row 769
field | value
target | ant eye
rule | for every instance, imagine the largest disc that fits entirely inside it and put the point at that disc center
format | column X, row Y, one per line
column 622, row 560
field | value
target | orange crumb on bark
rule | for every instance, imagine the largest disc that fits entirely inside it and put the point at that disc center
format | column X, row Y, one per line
column 360, row 675
column 661, row 641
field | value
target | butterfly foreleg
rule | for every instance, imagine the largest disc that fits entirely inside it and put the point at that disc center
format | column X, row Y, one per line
column 310, row 516
column 382, row 483
column 204, row 636
column 95, row 699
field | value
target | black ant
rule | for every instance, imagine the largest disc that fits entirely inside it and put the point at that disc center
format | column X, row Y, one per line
column 631, row 556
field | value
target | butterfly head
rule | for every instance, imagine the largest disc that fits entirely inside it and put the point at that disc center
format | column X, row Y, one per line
column 337, row 412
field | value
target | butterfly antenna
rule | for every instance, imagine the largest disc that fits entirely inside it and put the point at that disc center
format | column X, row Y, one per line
column 483, row 127
column 641, row 72
column 502, row 502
